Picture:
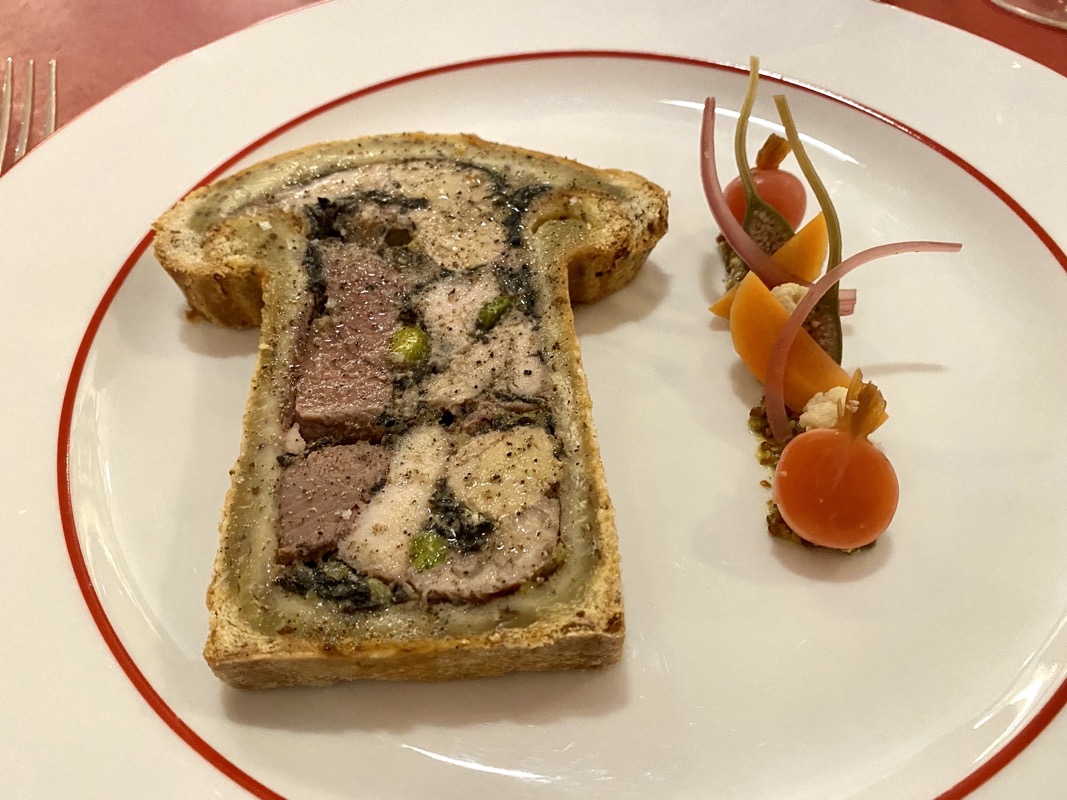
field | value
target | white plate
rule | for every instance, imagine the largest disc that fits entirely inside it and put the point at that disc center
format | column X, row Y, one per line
column 753, row 669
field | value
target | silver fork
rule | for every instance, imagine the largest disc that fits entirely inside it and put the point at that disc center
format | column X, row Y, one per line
column 23, row 143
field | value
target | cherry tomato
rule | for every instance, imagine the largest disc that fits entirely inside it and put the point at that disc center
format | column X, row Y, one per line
column 783, row 191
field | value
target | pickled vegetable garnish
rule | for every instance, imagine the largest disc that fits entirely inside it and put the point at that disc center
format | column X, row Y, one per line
column 832, row 487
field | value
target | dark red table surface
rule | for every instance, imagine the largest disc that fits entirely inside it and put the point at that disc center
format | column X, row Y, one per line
column 104, row 44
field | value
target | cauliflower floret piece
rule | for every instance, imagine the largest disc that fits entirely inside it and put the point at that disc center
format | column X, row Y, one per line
column 789, row 294
column 824, row 409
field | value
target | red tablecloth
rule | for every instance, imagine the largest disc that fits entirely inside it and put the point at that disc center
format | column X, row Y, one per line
column 104, row 44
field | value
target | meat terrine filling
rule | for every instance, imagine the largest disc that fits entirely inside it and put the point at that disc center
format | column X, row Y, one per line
column 420, row 466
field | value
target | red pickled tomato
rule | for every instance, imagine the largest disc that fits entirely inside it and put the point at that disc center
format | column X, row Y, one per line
column 835, row 489
column 783, row 191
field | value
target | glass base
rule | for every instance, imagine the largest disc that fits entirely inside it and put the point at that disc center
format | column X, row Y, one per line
column 1047, row 12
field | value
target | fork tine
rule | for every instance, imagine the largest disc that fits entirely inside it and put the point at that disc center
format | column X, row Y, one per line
column 7, row 100
column 27, row 114
column 50, row 108
column 5, row 111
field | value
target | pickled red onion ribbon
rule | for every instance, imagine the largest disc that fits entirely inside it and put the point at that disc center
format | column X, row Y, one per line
column 846, row 301
column 769, row 271
column 774, row 379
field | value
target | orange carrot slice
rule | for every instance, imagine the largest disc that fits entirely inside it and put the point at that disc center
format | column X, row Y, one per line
column 804, row 254
column 721, row 307
column 756, row 319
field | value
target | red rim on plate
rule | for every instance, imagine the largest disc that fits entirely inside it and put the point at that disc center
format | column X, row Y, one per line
column 961, row 789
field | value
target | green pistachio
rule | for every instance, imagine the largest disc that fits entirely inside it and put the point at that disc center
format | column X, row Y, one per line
column 491, row 312
column 379, row 592
column 427, row 550
column 410, row 344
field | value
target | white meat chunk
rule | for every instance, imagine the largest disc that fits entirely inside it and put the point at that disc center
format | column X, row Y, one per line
column 522, row 547
column 507, row 477
column 379, row 541
column 505, row 361
column 502, row 472
column 450, row 307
